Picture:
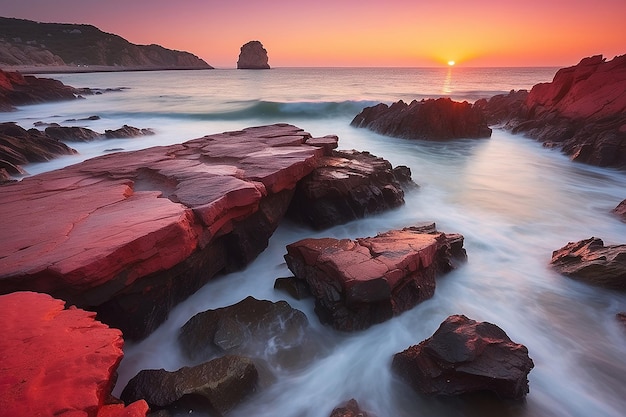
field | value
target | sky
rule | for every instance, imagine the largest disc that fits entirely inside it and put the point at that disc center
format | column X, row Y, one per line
column 356, row 33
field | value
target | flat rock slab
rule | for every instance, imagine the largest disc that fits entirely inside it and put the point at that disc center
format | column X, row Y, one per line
column 591, row 261
column 358, row 283
column 465, row 356
column 87, row 232
column 56, row 361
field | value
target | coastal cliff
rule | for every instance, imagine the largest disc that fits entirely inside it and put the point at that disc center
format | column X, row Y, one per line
column 33, row 44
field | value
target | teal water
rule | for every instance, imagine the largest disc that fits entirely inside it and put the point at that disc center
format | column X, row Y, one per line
column 513, row 200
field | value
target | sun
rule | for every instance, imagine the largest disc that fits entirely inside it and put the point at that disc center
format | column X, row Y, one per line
column 451, row 63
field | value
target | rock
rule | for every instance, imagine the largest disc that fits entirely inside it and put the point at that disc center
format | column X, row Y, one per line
column 253, row 56
column 348, row 185
column 432, row 119
column 620, row 210
column 72, row 134
column 296, row 288
column 152, row 226
column 19, row 147
column 350, row 409
column 622, row 317
column 501, row 108
column 258, row 328
column 127, row 132
column 466, row 356
column 17, row 90
column 223, row 382
column 582, row 111
column 369, row 280
column 57, row 361
column 592, row 262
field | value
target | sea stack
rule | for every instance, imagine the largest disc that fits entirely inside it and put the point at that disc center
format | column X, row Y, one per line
column 253, row 56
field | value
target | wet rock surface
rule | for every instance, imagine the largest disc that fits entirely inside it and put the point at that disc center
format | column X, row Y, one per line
column 151, row 225
column 465, row 356
column 348, row 185
column 220, row 384
column 358, row 283
column 431, row 119
column 350, row 409
column 57, row 361
column 591, row 261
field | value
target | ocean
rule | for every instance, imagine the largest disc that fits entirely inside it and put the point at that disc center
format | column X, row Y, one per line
column 513, row 200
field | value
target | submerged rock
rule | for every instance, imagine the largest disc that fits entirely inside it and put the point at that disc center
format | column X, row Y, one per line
column 131, row 234
column 252, row 327
column 432, row 119
column 369, row 280
column 223, row 383
column 253, row 56
column 590, row 261
column 348, row 185
column 57, row 361
column 466, row 356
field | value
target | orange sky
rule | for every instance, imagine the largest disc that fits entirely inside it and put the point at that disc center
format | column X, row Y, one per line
column 357, row 32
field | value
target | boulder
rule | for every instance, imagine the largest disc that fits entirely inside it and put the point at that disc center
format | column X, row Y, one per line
column 348, row 185
column 253, row 56
column 350, row 409
column 127, row 132
column 590, row 261
column 620, row 210
column 358, row 283
column 72, row 134
column 17, row 90
column 432, row 119
column 131, row 234
column 222, row 383
column 465, row 356
column 57, row 361
column 621, row 317
column 582, row 111
column 258, row 328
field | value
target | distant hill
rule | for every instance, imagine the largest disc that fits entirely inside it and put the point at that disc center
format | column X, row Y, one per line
column 29, row 43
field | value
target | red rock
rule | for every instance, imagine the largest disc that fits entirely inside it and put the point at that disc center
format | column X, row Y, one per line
column 359, row 283
column 350, row 409
column 116, row 231
column 620, row 210
column 466, row 356
column 17, row 89
column 591, row 261
column 253, row 56
column 56, row 361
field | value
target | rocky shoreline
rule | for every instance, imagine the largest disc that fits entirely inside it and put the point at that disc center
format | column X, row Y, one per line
column 155, row 225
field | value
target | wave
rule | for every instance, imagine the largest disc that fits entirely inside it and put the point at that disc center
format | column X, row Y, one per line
column 261, row 109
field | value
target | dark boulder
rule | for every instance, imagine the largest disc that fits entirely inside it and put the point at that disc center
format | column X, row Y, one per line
column 432, row 119
column 465, row 356
column 350, row 409
column 348, row 185
column 591, row 261
column 127, row 132
column 253, row 56
column 223, row 383
column 72, row 134
column 257, row 328
column 369, row 280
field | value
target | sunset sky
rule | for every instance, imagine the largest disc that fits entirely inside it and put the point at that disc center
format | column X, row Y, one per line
column 357, row 32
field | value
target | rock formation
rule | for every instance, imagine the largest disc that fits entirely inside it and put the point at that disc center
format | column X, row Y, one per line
column 466, row 356
column 19, row 147
column 432, row 119
column 590, row 261
column 222, row 383
column 28, row 43
column 620, row 210
column 152, row 226
column 348, row 185
column 369, row 280
column 57, row 361
column 17, row 90
column 246, row 328
column 253, row 56
column 582, row 111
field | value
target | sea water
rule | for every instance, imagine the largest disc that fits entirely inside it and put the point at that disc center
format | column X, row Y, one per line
column 513, row 200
